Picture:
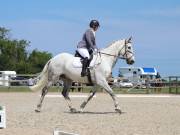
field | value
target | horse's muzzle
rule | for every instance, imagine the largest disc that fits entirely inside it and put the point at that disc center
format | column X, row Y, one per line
column 130, row 62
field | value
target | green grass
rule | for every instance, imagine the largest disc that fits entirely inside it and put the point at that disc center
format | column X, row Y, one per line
column 24, row 89
column 88, row 89
column 164, row 90
column 14, row 89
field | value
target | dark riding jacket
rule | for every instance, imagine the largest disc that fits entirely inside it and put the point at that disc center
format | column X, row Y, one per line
column 88, row 41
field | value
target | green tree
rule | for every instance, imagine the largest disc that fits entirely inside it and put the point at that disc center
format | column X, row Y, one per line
column 37, row 60
column 14, row 56
column 12, row 52
column 4, row 33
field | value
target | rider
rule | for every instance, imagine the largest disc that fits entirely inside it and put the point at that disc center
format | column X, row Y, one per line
column 88, row 44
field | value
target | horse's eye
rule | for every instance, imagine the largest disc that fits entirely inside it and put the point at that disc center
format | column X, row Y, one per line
column 129, row 47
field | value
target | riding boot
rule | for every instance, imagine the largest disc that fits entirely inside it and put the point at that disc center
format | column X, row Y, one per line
column 84, row 66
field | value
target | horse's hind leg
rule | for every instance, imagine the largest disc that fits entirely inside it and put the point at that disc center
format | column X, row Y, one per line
column 43, row 93
column 51, row 79
column 65, row 93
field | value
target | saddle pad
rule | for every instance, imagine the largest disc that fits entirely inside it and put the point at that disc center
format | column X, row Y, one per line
column 77, row 63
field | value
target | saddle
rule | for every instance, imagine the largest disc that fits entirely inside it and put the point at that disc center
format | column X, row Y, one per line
column 77, row 54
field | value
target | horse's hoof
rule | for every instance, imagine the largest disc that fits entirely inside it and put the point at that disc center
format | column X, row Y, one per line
column 37, row 110
column 73, row 110
column 118, row 110
column 81, row 110
column 83, row 105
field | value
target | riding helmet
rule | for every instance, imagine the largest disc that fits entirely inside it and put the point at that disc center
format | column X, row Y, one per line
column 94, row 23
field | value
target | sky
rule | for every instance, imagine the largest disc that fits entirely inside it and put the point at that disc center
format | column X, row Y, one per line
column 58, row 25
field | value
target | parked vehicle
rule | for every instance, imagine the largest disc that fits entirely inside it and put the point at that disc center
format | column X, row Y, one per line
column 19, row 81
column 125, row 83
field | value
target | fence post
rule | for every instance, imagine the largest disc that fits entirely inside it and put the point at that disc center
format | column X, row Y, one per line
column 170, row 84
column 176, row 85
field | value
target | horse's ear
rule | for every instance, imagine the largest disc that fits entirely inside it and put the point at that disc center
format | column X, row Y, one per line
column 130, row 40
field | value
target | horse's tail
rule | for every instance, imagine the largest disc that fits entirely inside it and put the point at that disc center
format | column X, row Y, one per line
column 42, row 79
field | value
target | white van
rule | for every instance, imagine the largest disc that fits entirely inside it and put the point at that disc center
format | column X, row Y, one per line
column 5, row 77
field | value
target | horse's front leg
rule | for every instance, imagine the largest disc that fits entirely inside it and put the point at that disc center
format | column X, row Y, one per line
column 102, row 82
column 43, row 93
column 92, row 93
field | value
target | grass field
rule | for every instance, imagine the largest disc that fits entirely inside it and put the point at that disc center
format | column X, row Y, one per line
column 87, row 89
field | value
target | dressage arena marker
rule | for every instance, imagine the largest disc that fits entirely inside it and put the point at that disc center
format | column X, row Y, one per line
column 120, row 96
column 58, row 132
column 2, row 117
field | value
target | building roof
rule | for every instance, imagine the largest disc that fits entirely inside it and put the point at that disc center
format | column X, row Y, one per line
column 149, row 71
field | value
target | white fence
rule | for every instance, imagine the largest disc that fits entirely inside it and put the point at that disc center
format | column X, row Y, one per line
column 16, row 80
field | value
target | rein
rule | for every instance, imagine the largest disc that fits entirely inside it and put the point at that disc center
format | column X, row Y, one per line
column 112, row 55
column 117, row 56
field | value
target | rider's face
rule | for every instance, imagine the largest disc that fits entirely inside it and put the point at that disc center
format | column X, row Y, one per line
column 95, row 28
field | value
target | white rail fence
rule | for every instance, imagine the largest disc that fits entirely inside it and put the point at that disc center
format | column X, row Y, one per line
column 28, row 80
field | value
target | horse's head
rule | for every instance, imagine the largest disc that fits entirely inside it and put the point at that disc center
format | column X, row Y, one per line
column 127, row 51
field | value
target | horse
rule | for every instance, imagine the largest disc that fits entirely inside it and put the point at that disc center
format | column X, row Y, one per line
column 61, row 67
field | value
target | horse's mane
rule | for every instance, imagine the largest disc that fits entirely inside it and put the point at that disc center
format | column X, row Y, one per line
column 111, row 44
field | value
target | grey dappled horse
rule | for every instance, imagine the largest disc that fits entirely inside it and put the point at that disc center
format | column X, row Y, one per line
column 61, row 67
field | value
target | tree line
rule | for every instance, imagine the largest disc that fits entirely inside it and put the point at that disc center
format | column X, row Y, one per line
column 15, row 56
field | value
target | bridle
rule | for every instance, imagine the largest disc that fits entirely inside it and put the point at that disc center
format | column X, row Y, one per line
column 123, row 56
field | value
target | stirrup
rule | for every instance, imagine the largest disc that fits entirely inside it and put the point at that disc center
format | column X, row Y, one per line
column 84, row 74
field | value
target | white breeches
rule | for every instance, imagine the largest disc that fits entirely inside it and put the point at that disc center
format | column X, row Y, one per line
column 84, row 52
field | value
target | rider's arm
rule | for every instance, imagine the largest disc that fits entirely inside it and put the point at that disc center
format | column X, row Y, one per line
column 89, row 38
